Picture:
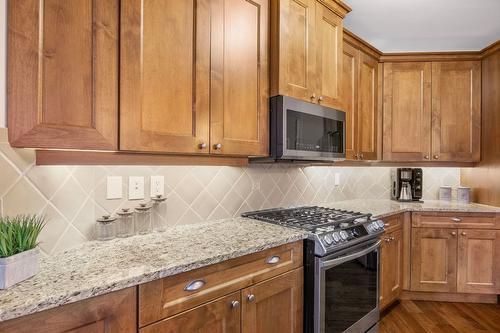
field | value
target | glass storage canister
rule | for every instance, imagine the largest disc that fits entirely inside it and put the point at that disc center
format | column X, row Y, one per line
column 143, row 219
column 125, row 223
column 105, row 228
column 159, row 213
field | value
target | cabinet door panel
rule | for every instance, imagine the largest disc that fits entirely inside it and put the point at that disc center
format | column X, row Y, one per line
column 349, row 97
column 456, row 111
column 478, row 261
column 277, row 306
column 434, row 260
column 63, row 74
column 367, row 107
column 239, row 84
column 217, row 316
column 328, row 56
column 293, row 23
column 407, row 111
column 391, row 269
column 165, row 57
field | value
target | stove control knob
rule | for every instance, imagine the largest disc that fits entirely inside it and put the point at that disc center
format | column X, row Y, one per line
column 380, row 224
column 360, row 220
column 328, row 240
column 344, row 235
column 336, row 237
column 344, row 225
column 375, row 226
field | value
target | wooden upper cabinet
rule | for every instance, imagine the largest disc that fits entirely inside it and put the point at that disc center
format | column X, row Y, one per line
column 434, row 260
column 293, row 57
column 329, row 31
column 274, row 305
column 349, row 98
column 239, row 77
column 165, row 76
column 367, row 107
column 306, row 50
column 407, row 111
column 456, row 111
column 478, row 261
column 63, row 74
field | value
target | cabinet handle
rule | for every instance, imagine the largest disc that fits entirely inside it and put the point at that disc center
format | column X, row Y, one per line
column 361, row 156
column 195, row 285
column 456, row 219
column 464, row 233
column 218, row 146
column 436, row 157
column 273, row 260
column 426, row 157
column 453, row 233
column 251, row 297
column 202, row 145
column 235, row 304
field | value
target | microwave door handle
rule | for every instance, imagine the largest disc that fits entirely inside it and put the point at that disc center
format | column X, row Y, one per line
column 337, row 261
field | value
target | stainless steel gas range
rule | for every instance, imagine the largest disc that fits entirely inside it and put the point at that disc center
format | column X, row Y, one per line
column 341, row 266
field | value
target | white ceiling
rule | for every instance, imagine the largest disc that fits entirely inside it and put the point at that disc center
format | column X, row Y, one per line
column 425, row 25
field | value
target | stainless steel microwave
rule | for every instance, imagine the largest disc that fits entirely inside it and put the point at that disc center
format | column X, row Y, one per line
column 305, row 131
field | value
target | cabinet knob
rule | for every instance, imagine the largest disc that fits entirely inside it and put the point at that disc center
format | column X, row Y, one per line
column 392, row 238
column 361, row 156
column 356, row 156
column 251, row 297
column 313, row 96
column 436, row 157
column 202, row 145
column 218, row 146
column 426, row 157
column 453, row 233
column 464, row 233
column 235, row 304
column 320, row 98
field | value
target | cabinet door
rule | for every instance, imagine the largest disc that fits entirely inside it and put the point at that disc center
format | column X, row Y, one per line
column 456, row 111
column 391, row 267
column 407, row 111
column 115, row 312
column 478, row 261
column 434, row 260
column 293, row 55
column 219, row 316
column 239, row 81
column 165, row 75
column 274, row 305
column 63, row 74
column 328, row 56
column 367, row 107
column 349, row 98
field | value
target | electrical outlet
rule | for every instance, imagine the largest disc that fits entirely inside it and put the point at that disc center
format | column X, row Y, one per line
column 135, row 188
column 337, row 179
column 157, row 185
column 114, row 187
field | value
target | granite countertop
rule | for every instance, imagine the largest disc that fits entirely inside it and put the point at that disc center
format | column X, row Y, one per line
column 386, row 207
column 96, row 268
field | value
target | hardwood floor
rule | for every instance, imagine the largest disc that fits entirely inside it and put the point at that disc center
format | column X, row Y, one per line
column 440, row 317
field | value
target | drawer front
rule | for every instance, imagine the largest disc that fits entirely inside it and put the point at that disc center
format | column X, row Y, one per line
column 455, row 220
column 163, row 298
column 393, row 223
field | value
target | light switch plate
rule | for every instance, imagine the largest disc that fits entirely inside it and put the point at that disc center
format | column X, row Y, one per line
column 135, row 188
column 114, row 187
column 337, row 179
column 157, row 185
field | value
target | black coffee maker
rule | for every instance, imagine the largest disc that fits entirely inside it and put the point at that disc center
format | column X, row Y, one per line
column 407, row 184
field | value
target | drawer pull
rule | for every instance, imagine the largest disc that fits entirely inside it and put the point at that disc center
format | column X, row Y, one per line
column 273, row 260
column 195, row 285
column 456, row 219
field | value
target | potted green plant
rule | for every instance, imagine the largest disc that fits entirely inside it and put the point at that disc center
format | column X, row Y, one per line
column 18, row 248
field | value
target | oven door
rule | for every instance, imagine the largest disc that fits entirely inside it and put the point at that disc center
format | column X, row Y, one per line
column 346, row 290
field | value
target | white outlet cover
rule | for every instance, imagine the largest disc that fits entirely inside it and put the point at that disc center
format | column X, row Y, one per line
column 337, row 179
column 114, row 187
column 135, row 188
column 157, row 185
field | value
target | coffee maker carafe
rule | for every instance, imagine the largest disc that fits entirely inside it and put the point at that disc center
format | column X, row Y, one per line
column 407, row 184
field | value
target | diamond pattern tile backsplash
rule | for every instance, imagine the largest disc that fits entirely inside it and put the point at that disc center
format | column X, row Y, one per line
column 73, row 196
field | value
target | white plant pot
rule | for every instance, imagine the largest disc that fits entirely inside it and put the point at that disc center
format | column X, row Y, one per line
column 18, row 267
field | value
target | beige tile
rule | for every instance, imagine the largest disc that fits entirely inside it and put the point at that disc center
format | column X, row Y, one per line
column 69, row 198
column 243, row 186
column 70, row 239
column 190, row 217
column 85, row 176
column 255, row 200
column 8, row 176
column 205, row 174
column 219, row 213
column 85, row 219
column 204, row 204
column 48, row 179
column 231, row 202
column 22, row 199
column 188, row 189
column 22, row 158
column 219, row 186
column 3, row 135
column 53, row 230
column 176, row 208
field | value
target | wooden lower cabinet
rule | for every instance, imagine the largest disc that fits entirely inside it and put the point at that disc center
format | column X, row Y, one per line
column 391, row 268
column 219, row 316
column 274, row 305
column 111, row 313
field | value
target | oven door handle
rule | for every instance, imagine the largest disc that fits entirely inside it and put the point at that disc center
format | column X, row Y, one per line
column 337, row 261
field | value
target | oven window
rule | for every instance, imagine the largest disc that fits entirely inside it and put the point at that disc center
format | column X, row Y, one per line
column 313, row 133
column 350, row 292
